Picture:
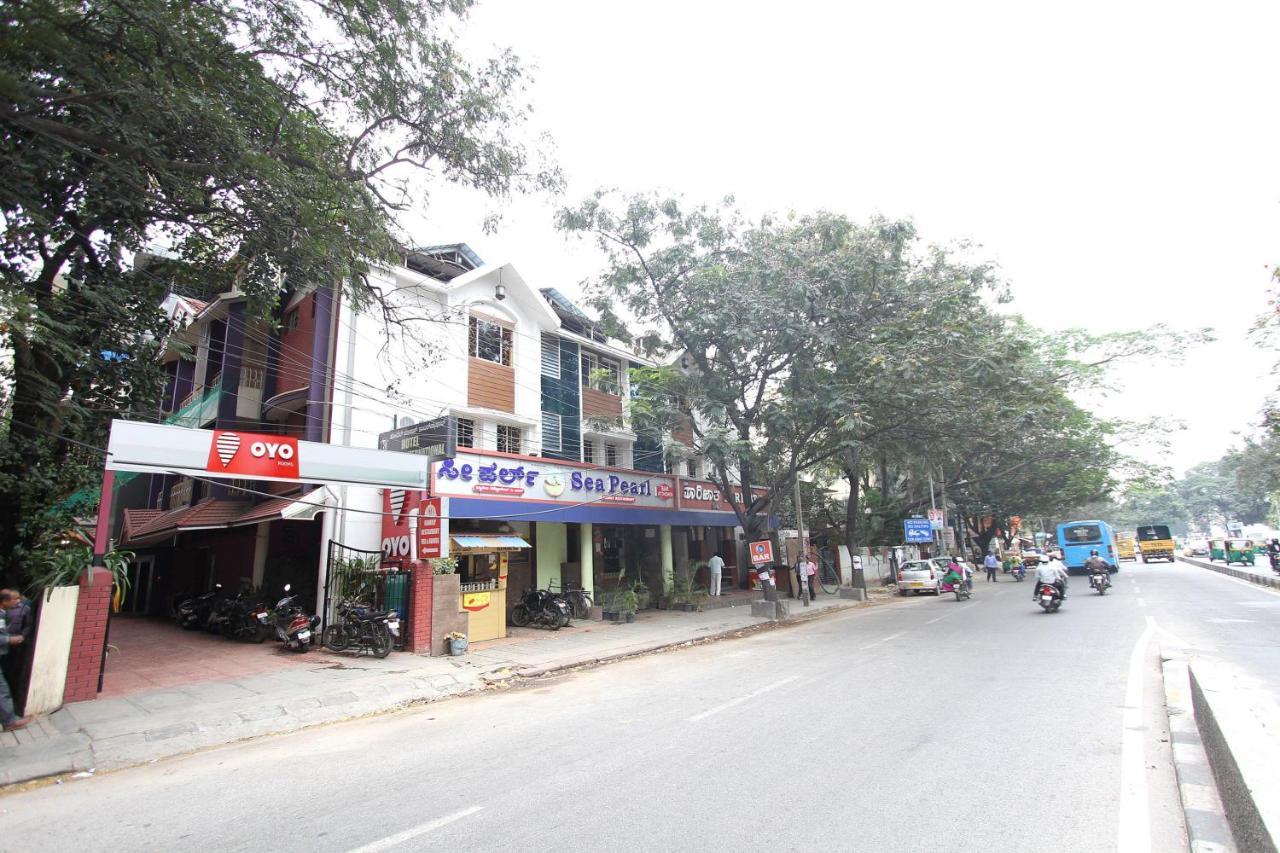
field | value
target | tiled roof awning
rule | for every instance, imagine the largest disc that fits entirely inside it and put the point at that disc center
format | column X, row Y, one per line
column 490, row 543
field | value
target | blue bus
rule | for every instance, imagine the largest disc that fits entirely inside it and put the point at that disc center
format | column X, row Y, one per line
column 1078, row 538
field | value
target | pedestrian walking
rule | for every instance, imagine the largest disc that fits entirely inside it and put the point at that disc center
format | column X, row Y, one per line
column 8, row 718
column 715, row 567
column 811, row 571
column 801, row 571
column 992, row 564
column 20, row 622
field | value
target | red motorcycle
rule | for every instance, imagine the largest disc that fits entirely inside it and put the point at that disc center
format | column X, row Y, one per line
column 294, row 627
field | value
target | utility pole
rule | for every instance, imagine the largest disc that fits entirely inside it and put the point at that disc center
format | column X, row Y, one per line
column 933, row 504
column 943, row 478
column 804, row 581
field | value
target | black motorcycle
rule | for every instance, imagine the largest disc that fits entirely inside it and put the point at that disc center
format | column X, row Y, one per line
column 243, row 620
column 193, row 613
column 540, row 607
column 363, row 629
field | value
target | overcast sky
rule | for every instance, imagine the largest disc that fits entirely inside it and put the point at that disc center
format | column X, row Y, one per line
column 1118, row 160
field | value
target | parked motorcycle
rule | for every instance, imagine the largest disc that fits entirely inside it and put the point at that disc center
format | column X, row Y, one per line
column 1101, row 581
column 244, row 620
column 540, row 607
column 1050, row 598
column 193, row 613
column 294, row 628
column 364, row 629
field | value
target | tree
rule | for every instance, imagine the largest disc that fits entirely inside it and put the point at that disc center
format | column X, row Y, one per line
column 262, row 144
column 756, row 315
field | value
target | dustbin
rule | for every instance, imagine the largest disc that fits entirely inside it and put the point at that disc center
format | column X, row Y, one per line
column 458, row 645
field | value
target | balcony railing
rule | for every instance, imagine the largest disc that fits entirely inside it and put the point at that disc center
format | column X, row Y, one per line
column 180, row 495
column 197, row 409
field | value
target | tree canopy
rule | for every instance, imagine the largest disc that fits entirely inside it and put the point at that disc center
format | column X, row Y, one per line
column 264, row 145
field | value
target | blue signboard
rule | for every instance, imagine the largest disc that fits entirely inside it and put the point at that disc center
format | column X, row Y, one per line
column 917, row 530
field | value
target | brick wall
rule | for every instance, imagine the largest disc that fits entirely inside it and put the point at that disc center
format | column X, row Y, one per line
column 421, row 601
column 88, row 637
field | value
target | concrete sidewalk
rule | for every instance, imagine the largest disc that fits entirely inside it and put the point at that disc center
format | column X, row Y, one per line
column 1259, row 574
column 148, row 725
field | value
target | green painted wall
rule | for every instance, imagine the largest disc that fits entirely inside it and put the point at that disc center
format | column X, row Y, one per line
column 553, row 547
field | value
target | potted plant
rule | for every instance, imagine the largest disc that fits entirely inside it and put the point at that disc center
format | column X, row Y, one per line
column 622, row 605
column 457, row 642
column 642, row 594
column 685, row 594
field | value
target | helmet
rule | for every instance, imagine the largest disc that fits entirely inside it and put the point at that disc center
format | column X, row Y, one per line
column 1093, row 553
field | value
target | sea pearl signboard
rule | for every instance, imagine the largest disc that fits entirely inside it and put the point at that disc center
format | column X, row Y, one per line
column 471, row 474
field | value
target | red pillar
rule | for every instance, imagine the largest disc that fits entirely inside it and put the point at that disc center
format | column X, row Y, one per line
column 88, row 637
column 420, row 603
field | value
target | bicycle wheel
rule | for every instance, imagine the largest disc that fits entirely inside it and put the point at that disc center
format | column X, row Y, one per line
column 335, row 638
column 581, row 606
column 828, row 578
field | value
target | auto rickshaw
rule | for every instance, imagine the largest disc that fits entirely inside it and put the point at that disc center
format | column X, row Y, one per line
column 1125, row 548
column 1238, row 551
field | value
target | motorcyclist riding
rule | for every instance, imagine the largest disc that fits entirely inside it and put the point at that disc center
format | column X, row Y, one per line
column 1052, row 574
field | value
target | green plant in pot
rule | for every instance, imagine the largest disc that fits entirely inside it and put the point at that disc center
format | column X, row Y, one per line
column 685, row 593
column 623, row 604
column 642, row 594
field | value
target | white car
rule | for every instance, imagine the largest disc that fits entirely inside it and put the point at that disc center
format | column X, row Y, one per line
column 920, row 576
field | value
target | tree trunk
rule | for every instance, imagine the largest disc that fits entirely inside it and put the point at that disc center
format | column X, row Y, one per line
column 852, row 464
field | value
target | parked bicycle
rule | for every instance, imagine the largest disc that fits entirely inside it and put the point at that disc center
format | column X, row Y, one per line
column 578, row 601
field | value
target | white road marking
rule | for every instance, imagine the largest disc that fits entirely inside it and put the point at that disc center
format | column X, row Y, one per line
column 1135, row 822
column 733, row 702
column 946, row 615
column 885, row 640
column 409, row 834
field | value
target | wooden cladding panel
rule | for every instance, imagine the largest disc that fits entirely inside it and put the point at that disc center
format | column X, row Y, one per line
column 490, row 385
column 598, row 404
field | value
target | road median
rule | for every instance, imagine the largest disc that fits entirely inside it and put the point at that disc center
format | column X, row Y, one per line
column 1235, row 572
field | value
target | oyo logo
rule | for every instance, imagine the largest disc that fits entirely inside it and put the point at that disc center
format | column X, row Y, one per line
column 273, row 456
column 396, row 546
column 271, row 450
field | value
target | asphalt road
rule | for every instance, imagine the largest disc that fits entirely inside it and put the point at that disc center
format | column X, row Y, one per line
column 924, row 724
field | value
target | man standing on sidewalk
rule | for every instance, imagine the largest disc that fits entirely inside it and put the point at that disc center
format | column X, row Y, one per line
column 992, row 564
column 715, row 567
column 8, row 719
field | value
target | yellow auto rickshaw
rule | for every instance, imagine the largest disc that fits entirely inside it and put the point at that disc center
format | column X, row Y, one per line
column 1125, row 548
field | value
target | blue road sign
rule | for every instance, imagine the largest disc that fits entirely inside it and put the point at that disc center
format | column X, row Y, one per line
column 917, row 530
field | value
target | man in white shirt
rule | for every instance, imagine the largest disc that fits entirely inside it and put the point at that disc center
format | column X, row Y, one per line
column 1050, row 573
column 715, row 567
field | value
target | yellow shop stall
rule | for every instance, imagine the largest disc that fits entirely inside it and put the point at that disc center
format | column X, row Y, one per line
column 484, row 563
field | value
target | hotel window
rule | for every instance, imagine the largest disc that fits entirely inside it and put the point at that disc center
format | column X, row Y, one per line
column 490, row 341
column 551, row 438
column 508, row 439
column 602, row 374
column 611, row 455
column 691, row 467
column 466, row 432
column 551, row 356
column 588, row 452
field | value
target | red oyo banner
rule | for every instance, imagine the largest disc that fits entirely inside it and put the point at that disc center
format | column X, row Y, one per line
column 410, row 517
column 251, row 455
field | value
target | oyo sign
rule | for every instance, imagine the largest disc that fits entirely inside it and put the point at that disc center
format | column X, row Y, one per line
column 251, row 455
